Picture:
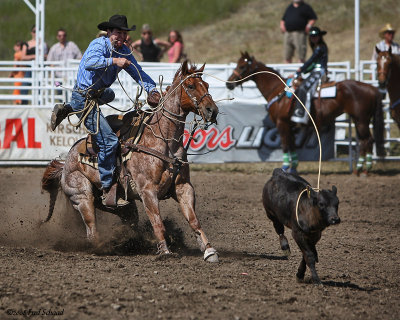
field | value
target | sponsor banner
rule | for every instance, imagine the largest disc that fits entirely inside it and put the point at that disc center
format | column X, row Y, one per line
column 25, row 134
column 244, row 134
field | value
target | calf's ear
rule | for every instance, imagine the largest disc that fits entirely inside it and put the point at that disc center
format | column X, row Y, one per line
column 334, row 190
column 314, row 199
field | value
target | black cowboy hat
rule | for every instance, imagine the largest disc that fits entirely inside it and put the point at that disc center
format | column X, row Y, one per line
column 116, row 21
column 315, row 31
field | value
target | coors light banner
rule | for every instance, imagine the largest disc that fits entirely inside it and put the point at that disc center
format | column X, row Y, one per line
column 245, row 133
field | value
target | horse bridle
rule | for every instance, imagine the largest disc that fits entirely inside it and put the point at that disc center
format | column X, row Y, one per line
column 249, row 62
column 193, row 98
column 387, row 74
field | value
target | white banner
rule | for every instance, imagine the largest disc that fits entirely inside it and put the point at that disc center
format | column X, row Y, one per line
column 25, row 134
column 244, row 133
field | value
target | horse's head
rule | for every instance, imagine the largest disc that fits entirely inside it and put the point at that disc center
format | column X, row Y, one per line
column 383, row 61
column 246, row 66
column 386, row 62
column 194, row 94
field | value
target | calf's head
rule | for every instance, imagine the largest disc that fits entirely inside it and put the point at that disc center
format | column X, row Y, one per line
column 328, row 204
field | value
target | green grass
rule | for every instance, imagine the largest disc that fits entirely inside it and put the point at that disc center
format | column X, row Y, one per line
column 80, row 18
column 214, row 31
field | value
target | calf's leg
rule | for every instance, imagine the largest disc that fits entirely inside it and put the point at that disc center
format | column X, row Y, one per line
column 301, row 270
column 309, row 256
column 280, row 230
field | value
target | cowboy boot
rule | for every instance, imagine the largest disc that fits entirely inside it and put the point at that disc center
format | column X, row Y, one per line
column 60, row 112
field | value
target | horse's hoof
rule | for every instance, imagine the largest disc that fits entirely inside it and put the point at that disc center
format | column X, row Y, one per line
column 299, row 280
column 286, row 168
column 211, row 255
column 364, row 174
column 286, row 252
column 293, row 171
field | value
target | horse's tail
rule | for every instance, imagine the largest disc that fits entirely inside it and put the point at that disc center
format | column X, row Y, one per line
column 378, row 126
column 51, row 183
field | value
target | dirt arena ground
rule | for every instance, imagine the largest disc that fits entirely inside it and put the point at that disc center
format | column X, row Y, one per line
column 49, row 272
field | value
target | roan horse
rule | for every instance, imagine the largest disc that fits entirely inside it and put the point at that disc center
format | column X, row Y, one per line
column 151, row 168
column 359, row 100
column 388, row 68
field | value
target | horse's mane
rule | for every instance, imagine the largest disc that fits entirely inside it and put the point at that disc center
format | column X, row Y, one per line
column 270, row 69
column 273, row 70
column 246, row 55
column 192, row 69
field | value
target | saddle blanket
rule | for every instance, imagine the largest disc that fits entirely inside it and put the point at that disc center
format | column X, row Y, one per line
column 327, row 92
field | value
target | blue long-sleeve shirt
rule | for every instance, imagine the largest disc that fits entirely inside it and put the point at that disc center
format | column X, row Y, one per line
column 97, row 71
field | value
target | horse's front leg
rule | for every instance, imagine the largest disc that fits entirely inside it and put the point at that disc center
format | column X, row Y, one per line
column 151, row 206
column 186, row 198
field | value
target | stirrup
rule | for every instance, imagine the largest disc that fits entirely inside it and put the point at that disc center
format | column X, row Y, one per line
column 122, row 202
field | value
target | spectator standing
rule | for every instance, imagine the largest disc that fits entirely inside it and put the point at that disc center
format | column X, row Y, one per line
column 296, row 22
column 28, row 54
column 63, row 50
column 175, row 52
column 29, row 51
column 387, row 36
column 150, row 50
column 17, row 74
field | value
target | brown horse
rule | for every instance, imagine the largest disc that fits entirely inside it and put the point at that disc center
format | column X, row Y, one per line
column 388, row 68
column 359, row 100
column 152, row 168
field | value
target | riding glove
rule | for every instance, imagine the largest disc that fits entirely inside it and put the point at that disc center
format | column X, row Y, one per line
column 154, row 98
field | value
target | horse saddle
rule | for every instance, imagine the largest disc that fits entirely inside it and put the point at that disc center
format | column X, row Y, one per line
column 327, row 90
column 127, row 127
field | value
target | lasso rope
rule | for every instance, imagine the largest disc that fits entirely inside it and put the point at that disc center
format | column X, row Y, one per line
column 287, row 88
column 161, row 103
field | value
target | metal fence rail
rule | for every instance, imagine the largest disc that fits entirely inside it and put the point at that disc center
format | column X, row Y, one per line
column 43, row 92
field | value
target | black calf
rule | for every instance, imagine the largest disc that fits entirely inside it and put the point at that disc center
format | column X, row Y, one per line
column 316, row 211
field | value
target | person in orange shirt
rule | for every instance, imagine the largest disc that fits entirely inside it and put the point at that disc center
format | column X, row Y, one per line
column 16, row 73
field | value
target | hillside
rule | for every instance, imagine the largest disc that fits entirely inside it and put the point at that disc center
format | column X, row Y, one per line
column 213, row 31
column 255, row 27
